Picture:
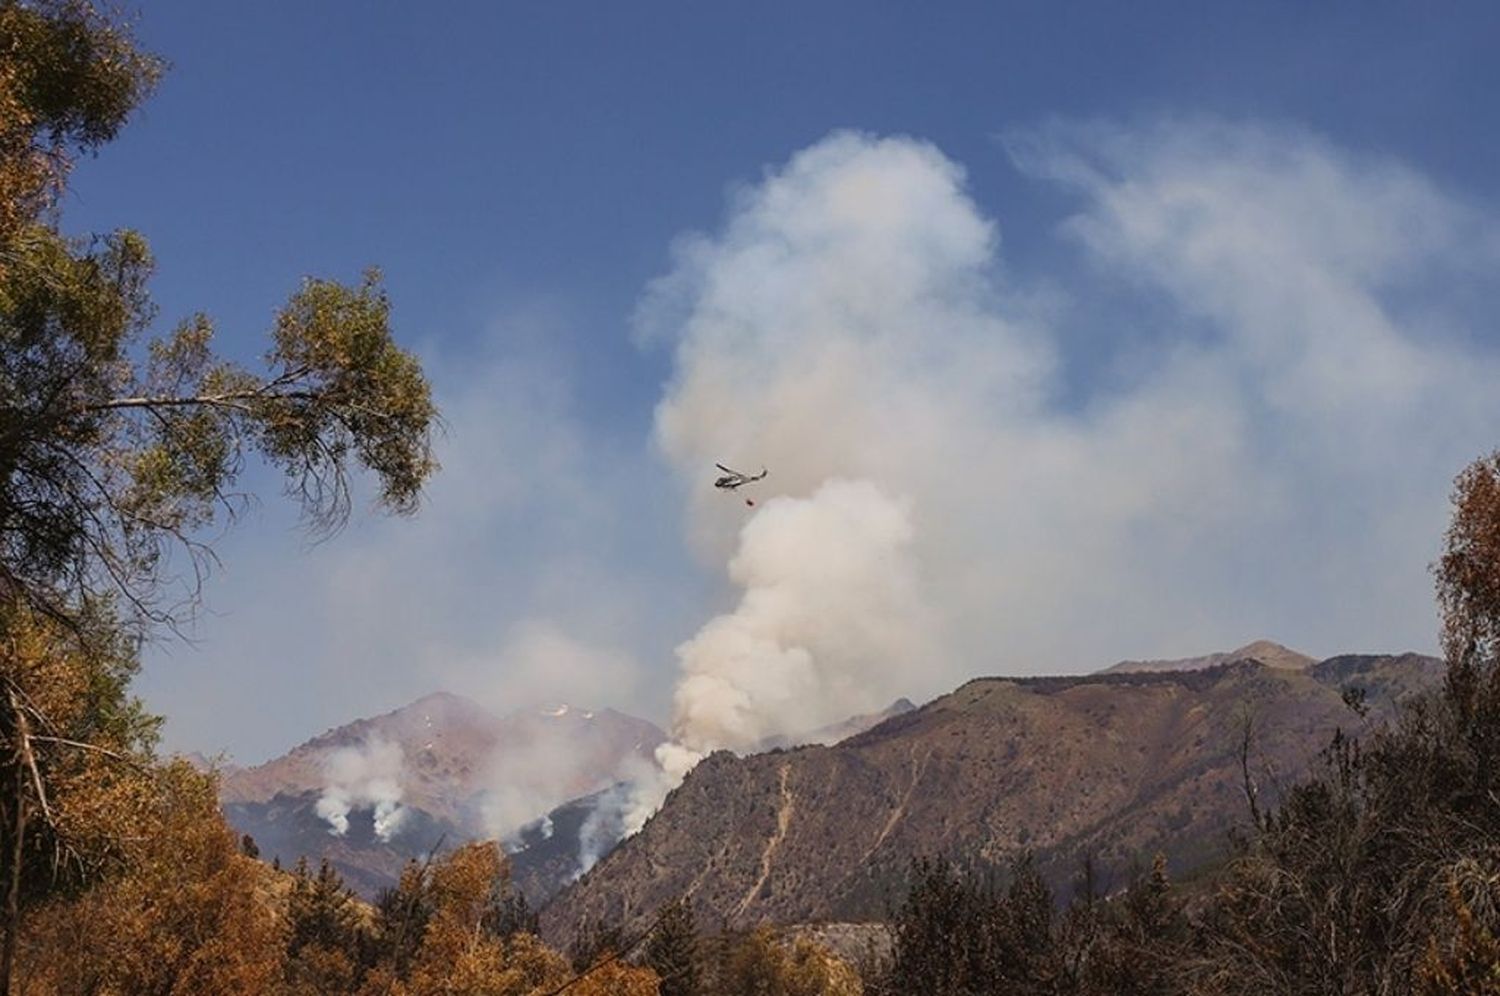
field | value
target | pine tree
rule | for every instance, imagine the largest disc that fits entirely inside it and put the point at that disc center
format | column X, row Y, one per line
column 596, row 940
column 939, row 932
column 401, row 917
column 1143, row 940
column 672, row 950
column 321, row 911
column 325, row 939
column 509, row 912
column 1027, row 926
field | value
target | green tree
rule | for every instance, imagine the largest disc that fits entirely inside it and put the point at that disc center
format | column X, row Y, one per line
column 111, row 468
column 960, row 933
column 118, row 450
column 402, row 913
column 325, row 937
column 1025, row 953
column 1143, row 938
column 672, row 950
column 115, row 451
column 69, row 78
column 321, row 910
column 509, row 913
column 597, row 940
column 937, row 932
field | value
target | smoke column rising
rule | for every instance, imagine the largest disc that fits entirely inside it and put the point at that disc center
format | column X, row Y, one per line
column 830, row 620
column 356, row 777
column 945, row 500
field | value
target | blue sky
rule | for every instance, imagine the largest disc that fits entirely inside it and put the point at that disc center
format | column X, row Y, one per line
column 522, row 174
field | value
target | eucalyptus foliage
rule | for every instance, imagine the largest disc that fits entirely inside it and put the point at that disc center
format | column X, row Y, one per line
column 121, row 449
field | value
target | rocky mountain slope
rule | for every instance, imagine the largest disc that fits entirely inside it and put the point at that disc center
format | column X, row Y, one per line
column 446, row 769
column 552, row 852
column 1117, row 766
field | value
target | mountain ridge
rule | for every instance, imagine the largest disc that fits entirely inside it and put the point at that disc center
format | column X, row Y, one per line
column 1268, row 652
column 447, row 769
column 1116, row 766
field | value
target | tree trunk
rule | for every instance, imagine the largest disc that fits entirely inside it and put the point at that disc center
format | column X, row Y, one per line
column 13, row 891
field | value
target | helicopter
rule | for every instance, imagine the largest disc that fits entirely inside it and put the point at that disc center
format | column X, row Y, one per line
column 733, row 480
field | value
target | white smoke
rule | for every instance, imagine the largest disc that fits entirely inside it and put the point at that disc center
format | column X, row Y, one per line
column 1265, row 451
column 365, row 776
column 539, row 829
column 524, row 779
column 606, row 824
column 554, row 762
column 831, row 619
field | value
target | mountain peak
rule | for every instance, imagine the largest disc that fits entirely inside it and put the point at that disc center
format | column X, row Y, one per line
column 1268, row 652
column 444, row 705
column 461, row 771
column 1273, row 654
column 563, row 709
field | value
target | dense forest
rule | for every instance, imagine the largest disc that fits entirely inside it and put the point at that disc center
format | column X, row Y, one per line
column 118, row 450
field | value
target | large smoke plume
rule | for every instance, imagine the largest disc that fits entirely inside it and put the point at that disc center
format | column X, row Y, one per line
column 963, row 469
column 830, row 620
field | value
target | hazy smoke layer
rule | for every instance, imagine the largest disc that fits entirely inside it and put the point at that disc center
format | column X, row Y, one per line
column 357, row 777
column 524, row 779
column 1263, row 449
column 606, row 826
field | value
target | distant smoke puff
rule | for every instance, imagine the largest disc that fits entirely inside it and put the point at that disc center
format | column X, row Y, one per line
column 365, row 776
column 524, row 779
column 388, row 817
column 606, row 825
column 623, row 809
column 333, row 807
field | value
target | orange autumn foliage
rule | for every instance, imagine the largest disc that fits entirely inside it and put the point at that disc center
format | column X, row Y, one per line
column 460, row 957
column 189, row 915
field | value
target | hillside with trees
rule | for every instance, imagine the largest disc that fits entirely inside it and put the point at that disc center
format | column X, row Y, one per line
column 1113, row 768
